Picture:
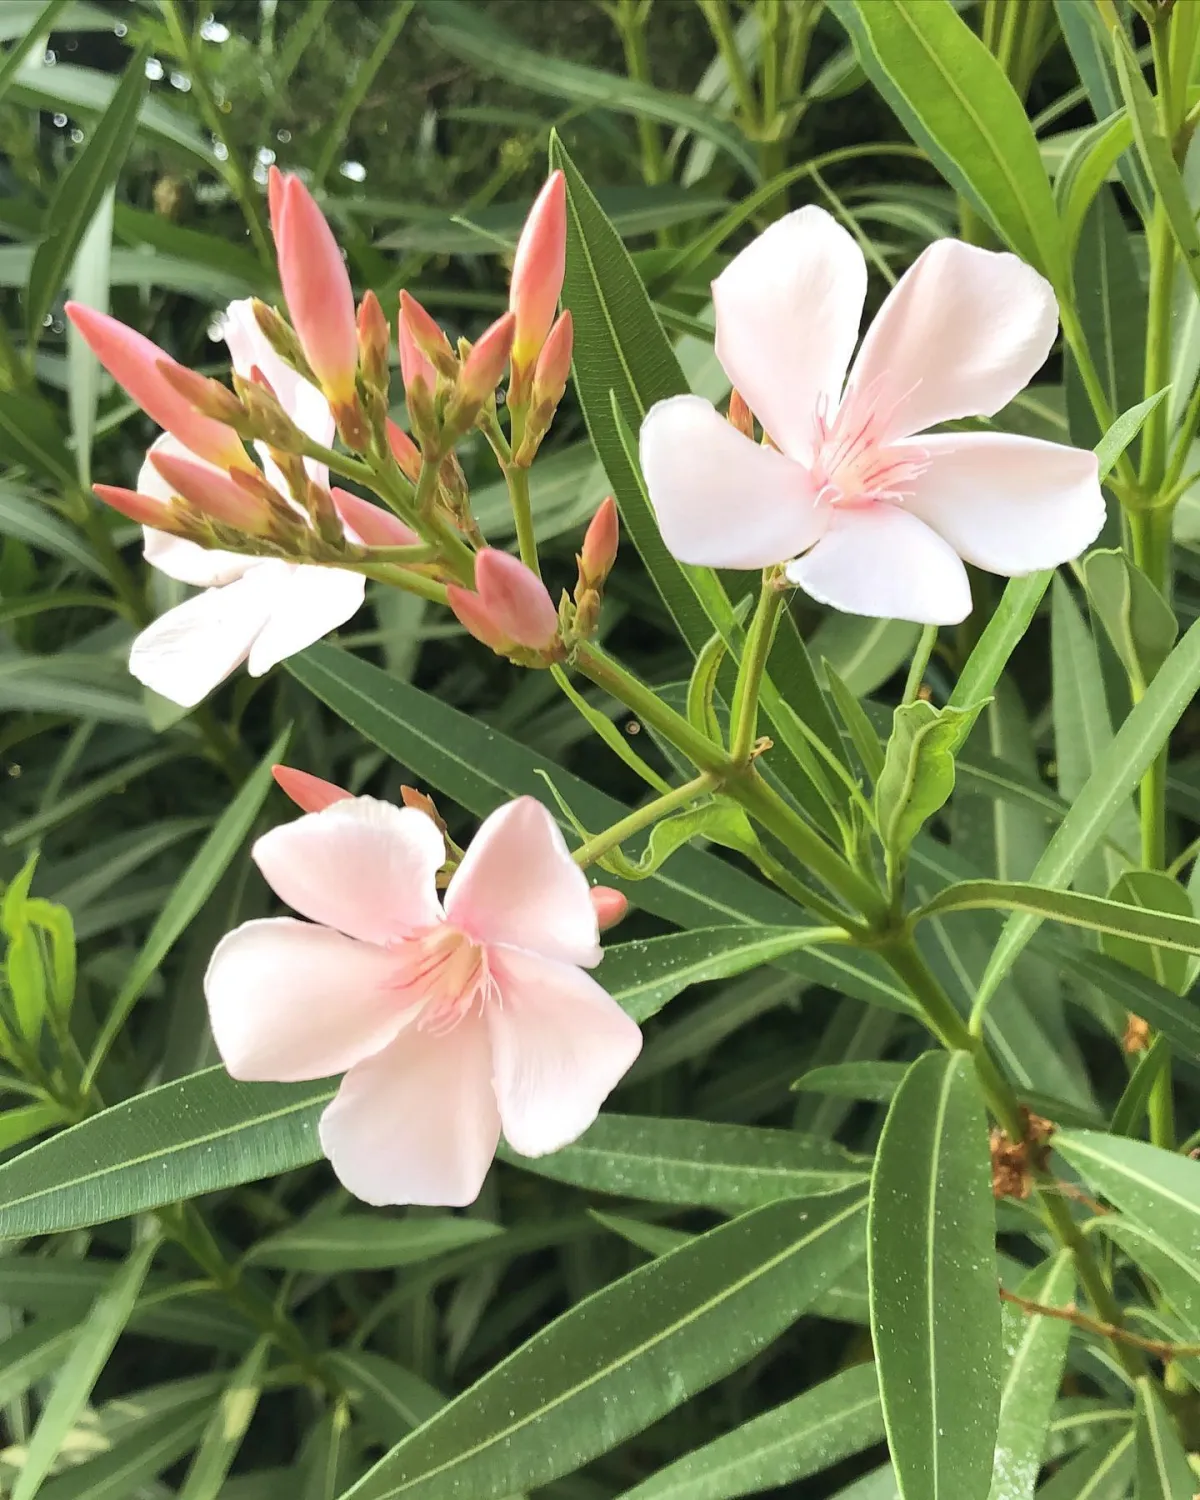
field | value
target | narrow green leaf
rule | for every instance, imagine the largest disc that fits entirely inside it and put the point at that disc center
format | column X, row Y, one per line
column 32, row 1352
column 1118, row 771
column 1124, row 430
column 136, row 1460
column 954, row 99
column 226, row 1427
column 361, row 1242
column 876, row 1082
column 35, row 31
column 1156, row 1189
column 935, row 1315
column 1001, row 636
column 813, row 1432
column 858, row 724
column 1101, row 1472
column 31, row 520
column 918, row 770
column 626, row 1355
column 727, row 1167
column 89, row 284
column 1139, row 622
column 1155, row 891
column 1127, row 1117
column 81, row 191
column 1035, row 1349
column 1177, row 1275
column 390, row 1399
column 1163, row 1471
column 94, row 1342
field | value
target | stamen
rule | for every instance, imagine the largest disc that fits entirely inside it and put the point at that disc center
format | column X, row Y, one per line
column 445, row 976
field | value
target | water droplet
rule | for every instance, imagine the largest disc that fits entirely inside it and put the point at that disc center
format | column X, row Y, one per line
column 59, row 119
column 354, row 170
column 154, row 69
column 50, row 58
column 220, row 150
column 181, row 82
column 266, row 155
column 283, row 135
column 120, row 29
column 212, row 30
column 77, row 135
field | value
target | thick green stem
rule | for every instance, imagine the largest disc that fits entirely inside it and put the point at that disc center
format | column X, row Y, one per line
column 630, row 17
column 1158, row 350
column 522, row 509
column 641, row 818
column 743, row 717
column 1123, row 479
column 716, row 13
column 920, row 660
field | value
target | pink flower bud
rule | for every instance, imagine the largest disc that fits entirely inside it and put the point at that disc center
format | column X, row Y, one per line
column 404, row 451
column 133, row 362
column 316, row 286
column 373, row 339
column 538, row 269
column 427, row 335
column 473, row 614
column 610, row 906
column 413, row 364
column 600, row 543
column 553, row 368
column 516, row 599
column 213, row 494
column 484, row 367
column 371, row 524
column 276, row 193
column 144, row 509
column 740, row 415
column 307, row 791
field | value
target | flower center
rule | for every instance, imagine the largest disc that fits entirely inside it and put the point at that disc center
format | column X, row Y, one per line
column 851, row 463
column 445, row 976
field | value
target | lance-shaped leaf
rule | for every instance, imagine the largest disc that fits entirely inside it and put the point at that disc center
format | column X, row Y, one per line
column 1163, row 1471
column 1154, row 891
column 1158, row 1190
column 935, row 1314
column 627, row 1355
column 918, row 771
column 1137, row 619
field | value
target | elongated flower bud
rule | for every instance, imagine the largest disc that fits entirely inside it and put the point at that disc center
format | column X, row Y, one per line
column 371, row 524
column 307, row 791
column 515, row 604
column 481, row 373
column 133, row 362
column 373, row 339
column 472, row 613
column 146, row 510
column 209, row 397
column 610, row 906
column 600, row 544
column 550, row 376
column 538, row 269
column 214, row 495
column 316, row 286
column 404, row 451
column 427, row 335
column 740, row 415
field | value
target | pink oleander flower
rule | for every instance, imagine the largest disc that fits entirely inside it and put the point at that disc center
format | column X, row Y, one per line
column 451, row 1020
column 253, row 610
column 870, row 512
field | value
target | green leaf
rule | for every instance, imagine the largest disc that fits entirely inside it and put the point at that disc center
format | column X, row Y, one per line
column 1001, row 636
column 954, row 99
column 81, row 191
column 364, row 1242
column 480, row 768
column 627, row 1355
column 25, row 1121
column 89, row 283
column 1157, row 155
column 184, row 1138
column 193, row 889
column 132, row 1463
column 863, row 652
column 1131, row 1106
column 1154, row 891
column 97, row 1335
column 727, row 1167
column 390, row 1399
column 876, row 1082
column 1124, row 430
column 1035, row 1349
column 858, row 724
column 463, row 31
column 1165, row 1011
column 36, row 25
column 1176, row 1275
column 1156, row 1189
column 931, row 1256
column 227, row 1426
column 1101, row 1472
column 1136, row 923
column 32, row 1352
column 1163, row 1471
column 804, row 1436
column 1118, row 770
column 85, row 687
column 918, row 771
column 31, row 520
column 1139, row 622
column 31, row 434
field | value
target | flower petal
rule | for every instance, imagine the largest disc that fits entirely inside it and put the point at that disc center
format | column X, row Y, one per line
column 878, row 560
column 1009, row 504
column 360, row 865
column 561, row 1045
column 788, row 309
column 310, row 603
column 720, row 499
column 418, row 1122
column 172, row 555
column 960, row 333
column 288, row 1000
column 518, row 885
column 192, row 648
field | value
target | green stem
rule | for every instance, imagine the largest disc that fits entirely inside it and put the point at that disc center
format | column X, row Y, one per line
column 716, row 13
column 920, row 660
column 1158, row 350
column 642, row 817
column 743, row 717
column 630, row 18
column 240, row 181
column 1123, row 476
column 522, row 508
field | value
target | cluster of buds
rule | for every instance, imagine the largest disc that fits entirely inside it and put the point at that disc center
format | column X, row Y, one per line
column 595, row 563
column 313, row 794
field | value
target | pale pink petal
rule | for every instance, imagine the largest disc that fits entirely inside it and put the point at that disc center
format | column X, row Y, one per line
column 518, row 885
column 417, row 1123
column 876, row 559
column 310, row 603
column 360, row 865
column 561, row 1045
column 1009, row 504
column 962, row 332
column 192, row 648
column 721, row 500
column 185, row 561
column 289, row 1001
column 788, row 309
